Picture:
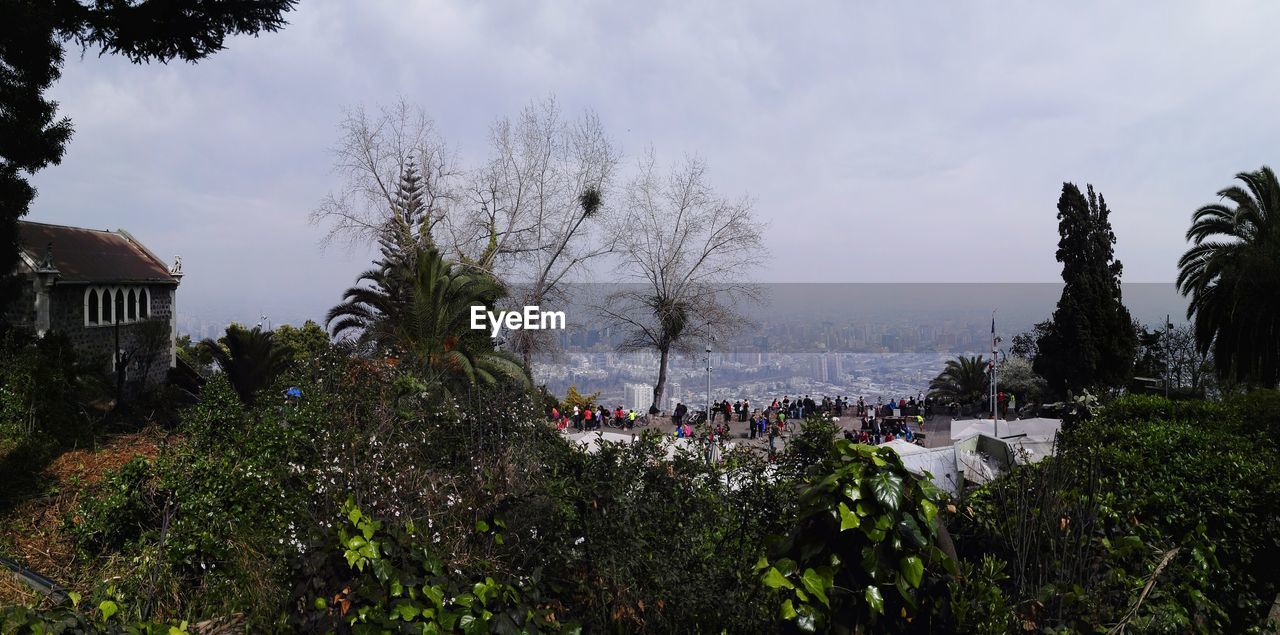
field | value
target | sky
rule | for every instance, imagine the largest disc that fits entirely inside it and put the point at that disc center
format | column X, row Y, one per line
column 879, row 142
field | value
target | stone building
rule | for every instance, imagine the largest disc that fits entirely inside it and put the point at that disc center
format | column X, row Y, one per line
column 104, row 290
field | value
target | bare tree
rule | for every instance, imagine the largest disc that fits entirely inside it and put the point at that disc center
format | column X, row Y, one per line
column 531, row 218
column 687, row 248
column 1189, row 368
column 372, row 157
column 528, row 214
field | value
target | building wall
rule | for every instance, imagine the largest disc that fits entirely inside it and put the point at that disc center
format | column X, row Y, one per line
column 22, row 311
column 150, row 341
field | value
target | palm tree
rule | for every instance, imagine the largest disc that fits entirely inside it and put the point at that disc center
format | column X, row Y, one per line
column 251, row 359
column 964, row 379
column 1232, row 276
column 417, row 307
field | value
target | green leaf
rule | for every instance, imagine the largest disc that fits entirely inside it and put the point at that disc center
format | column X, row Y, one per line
column 761, row 564
column 912, row 569
column 787, row 566
column 929, row 509
column 788, row 611
column 887, row 488
column 852, row 492
column 775, row 580
column 817, row 584
column 407, row 611
column 482, row 526
column 848, row 520
column 75, row 598
column 108, row 609
column 874, row 599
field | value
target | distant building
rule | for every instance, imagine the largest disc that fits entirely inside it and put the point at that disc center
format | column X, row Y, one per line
column 818, row 366
column 110, row 295
column 638, row 397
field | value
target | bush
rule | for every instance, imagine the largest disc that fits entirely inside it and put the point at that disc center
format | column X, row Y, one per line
column 1176, row 492
column 385, row 578
column 42, row 384
column 863, row 556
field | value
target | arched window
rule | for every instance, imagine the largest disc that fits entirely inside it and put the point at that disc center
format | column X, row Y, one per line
column 92, row 307
column 116, row 305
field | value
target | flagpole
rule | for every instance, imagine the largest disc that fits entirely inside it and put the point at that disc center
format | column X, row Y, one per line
column 995, row 405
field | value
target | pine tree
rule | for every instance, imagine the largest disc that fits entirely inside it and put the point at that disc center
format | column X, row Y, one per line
column 409, row 225
column 1090, row 341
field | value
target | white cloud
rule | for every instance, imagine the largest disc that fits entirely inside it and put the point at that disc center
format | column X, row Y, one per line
column 883, row 142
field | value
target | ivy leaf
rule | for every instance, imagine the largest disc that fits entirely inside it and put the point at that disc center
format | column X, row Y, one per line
column 852, row 492
column 108, row 609
column 874, row 599
column 407, row 611
column 775, row 580
column 929, row 510
column 787, row 566
column 848, row 519
column 912, row 569
column 887, row 488
column 788, row 611
column 817, row 584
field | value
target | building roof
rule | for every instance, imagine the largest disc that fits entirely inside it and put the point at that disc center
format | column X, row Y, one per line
column 92, row 255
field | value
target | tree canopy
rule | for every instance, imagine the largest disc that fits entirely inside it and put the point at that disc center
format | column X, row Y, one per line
column 1090, row 340
column 1232, row 276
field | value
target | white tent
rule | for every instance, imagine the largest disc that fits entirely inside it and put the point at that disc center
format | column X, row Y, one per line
column 1039, row 429
column 938, row 463
column 903, row 448
column 590, row 441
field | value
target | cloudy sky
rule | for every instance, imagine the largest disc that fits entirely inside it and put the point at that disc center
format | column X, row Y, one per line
column 880, row 141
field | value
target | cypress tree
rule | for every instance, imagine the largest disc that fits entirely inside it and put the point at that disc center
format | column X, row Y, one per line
column 1090, row 342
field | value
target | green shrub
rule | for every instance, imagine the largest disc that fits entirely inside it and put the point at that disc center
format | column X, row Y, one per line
column 978, row 603
column 1179, row 488
column 863, row 555
column 387, row 578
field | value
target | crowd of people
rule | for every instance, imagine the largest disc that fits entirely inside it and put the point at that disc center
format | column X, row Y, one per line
column 594, row 418
column 880, row 422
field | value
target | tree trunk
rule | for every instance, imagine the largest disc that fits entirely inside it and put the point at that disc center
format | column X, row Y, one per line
column 664, row 355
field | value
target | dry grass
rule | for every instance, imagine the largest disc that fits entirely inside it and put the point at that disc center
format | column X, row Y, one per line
column 32, row 531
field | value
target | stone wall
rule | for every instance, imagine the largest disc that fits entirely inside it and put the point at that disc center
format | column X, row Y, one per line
column 22, row 311
column 148, row 341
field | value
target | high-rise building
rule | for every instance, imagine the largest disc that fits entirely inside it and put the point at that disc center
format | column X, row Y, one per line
column 819, row 367
column 638, row 397
column 674, row 390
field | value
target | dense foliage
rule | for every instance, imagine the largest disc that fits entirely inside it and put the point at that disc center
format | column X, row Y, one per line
column 863, row 552
column 1115, row 530
column 963, row 380
column 1090, row 341
column 1232, row 276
